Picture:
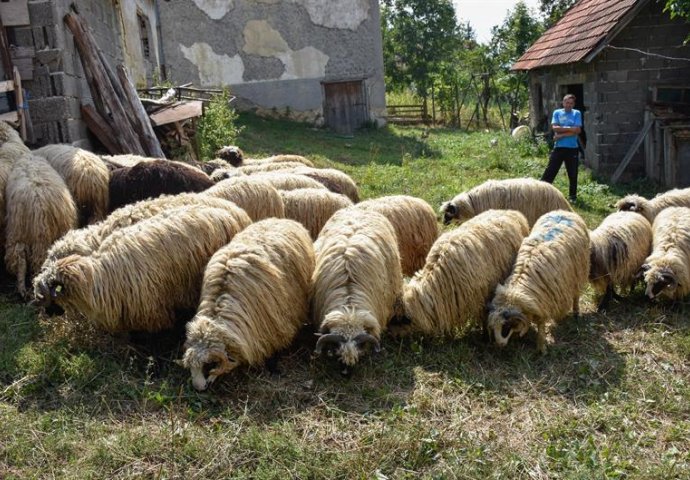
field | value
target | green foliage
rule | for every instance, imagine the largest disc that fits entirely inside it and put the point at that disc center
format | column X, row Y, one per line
column 553, row 10
column 217, row 127
column 679, row 9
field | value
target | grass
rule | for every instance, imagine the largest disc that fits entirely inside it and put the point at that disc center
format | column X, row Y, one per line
column 611, row 399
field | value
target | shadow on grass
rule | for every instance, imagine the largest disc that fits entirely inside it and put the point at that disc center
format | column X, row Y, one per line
column 384, row 146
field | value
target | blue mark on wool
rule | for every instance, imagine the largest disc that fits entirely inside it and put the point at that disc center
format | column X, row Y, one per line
column 554, row 231
column 557, row 218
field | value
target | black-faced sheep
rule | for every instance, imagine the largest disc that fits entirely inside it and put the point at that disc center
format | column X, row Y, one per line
column 312, row 207
column 549, row 274
column 271, row 260
column 651, row 208
column 416, row 227
column 221, row 174
column 257, row 197
column 619, row 246
column 86, row 176
column 153, row 179
column 212, row 165
column 357, row 283
column 463, row 268
column 231, row 154
column 289, row 181
column 667, row 270
column 40, row 210
column 531, row 197
column 141, row 275
column 85, row 241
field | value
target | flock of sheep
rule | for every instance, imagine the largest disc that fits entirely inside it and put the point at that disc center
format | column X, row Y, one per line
column 258, row 247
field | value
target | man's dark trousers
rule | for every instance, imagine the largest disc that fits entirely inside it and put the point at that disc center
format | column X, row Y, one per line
column 556, row 159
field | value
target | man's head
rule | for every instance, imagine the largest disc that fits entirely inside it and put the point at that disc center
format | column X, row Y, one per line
column 569, row 102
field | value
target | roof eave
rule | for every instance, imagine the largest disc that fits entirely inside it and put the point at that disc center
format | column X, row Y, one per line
column 620, row 25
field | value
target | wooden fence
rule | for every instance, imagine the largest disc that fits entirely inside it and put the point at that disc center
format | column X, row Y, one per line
column 408, row 114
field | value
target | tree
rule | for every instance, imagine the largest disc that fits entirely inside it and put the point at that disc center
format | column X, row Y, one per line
column 509, row 41
column 553, row 10
column 419, row 36
column 678, row 8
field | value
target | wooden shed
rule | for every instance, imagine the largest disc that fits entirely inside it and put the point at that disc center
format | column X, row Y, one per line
column 626, row 62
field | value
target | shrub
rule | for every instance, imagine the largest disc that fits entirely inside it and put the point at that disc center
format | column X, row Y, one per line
column 217, row 127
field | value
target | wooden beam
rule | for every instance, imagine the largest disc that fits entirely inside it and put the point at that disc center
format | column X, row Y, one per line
column 19, row 96
column 7, row 86
column 178, row 112
column 9, row 117
column 142, row 123
column 100, row 128
column 633, row 148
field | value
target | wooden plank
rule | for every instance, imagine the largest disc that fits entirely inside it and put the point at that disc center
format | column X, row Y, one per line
column 25, row 67
column 14, row 13
column 633, row 148
column 9, row 117
column 178, row 112
column 142, row 122
column 19, row 94
column 100, row 128
column 7, row 86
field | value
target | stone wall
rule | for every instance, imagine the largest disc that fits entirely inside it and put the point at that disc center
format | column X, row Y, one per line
column 275, row 54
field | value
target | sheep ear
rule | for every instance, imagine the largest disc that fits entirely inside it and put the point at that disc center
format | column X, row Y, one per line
column 643, row 269
column 451, row 209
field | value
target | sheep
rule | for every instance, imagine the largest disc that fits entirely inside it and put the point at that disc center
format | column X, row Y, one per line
column 289, row 181
column 651, row 208
column 257, row 197
column 282, row 158
column 618, row 248
column 152, row 179
column 231, row 154
column 125, row 160
column 141, row 275
column 357, row 283
column 271, row 261
column 86, row 176
column 85, row 241
column 531, row 197
column 221, row 174
column 415, row 226
column 550, row 271
column 12, row 149
column 462, row 270
column 312, row 207
column 210, row 166
column 334, row 180
column 270, row 167
column 667, row 270
column 40, row 210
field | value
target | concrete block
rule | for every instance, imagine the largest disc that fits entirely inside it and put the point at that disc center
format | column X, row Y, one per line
column 51, row 57
column 23, row 36
column 39, row 38
column 75, row 130
column 42, row 13
column 49, row 109
column 64, row 85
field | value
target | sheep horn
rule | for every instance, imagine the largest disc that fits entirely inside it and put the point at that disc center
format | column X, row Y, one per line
column 327, row 339
column 365, row 339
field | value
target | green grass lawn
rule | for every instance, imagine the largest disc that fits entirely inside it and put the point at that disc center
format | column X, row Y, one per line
column 610, row 399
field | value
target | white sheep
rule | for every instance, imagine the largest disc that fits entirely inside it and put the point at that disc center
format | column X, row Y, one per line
column 357, row 283
column 619, row 246
column 254, row 299
column 651, row 208
column 416, row 227
column 257, row 197
column 462, row 270
column 312, row 207
column 531, row 197
column 86, row 176
column 40, row 210
column 289, row 181
column 667, row 270
column 141, row 275
column 549, row 274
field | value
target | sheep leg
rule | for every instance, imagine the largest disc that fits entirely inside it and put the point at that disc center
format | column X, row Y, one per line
column 576, row 307
column 606, row 299
column 272, row 364
column 541, row 338
column 21, row 272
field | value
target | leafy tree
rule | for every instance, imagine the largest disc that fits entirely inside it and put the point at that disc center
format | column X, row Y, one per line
column 419, row 37
column 553, row 10
column 509, row 41
column 678, row 8
column 217, row 127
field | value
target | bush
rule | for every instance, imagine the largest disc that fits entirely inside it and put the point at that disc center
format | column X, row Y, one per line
column 217, row 127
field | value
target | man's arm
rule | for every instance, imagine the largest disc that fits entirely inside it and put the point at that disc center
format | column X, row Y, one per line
column 565, row 131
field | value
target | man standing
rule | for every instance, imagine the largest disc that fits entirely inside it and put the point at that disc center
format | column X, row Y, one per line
column 566, row 123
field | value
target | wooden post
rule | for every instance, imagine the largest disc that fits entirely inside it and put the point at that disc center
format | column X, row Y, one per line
column 142, row 123
column 19, row 98
column 101, row 86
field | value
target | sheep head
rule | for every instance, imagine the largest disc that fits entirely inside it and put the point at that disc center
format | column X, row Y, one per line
column 231, row 154
column 54, row 283
column 458, row 209
column 632, row 203
column 502, row 323
column 660, row 280
column 348, row 334
column 205, row 354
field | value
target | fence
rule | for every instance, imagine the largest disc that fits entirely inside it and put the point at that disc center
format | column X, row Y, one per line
column 408, row 114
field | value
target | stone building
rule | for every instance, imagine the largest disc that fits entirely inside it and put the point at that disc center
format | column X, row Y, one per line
column 626, row 63
column 314, row 61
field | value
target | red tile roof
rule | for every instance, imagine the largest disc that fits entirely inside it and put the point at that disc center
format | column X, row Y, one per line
column 579, row 32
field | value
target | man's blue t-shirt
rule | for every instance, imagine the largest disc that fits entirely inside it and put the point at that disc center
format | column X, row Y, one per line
column 567, row 119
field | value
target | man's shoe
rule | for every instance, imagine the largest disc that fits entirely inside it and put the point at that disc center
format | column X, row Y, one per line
column 572, row 200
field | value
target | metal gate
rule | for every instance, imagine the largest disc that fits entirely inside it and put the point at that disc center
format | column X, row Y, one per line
column 345, row 106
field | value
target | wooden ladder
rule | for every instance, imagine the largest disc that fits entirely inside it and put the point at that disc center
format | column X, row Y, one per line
column 17, row 116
